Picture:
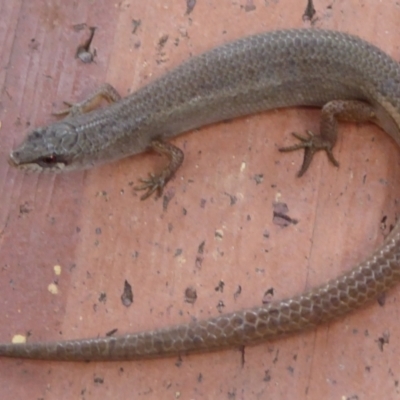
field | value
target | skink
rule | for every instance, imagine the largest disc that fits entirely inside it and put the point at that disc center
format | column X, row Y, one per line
column 349, row 78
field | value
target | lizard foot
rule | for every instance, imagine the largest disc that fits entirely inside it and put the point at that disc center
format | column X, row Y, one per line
column 156, row 182
column 151, row 184
column 311, row 144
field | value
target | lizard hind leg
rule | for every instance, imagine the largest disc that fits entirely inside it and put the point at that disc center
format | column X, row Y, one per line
column 104, row 92
column 331, row 113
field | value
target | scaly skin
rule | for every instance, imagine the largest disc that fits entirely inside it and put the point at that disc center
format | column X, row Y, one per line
column 352, row 79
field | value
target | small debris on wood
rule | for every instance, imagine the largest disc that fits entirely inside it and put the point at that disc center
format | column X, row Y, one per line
column 220, row 306
column 112, row 332
column 83, row 51
column 237, row 293
column 190, row 4
column 384, row 339
column 268, row 296
column 280, row 216
column 127, row 295
column 220, row 286
column 135, row 25
column 309, row 11
column 200, row 257
column 190, row 295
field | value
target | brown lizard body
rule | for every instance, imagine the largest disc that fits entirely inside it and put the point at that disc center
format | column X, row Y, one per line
column 350, row 79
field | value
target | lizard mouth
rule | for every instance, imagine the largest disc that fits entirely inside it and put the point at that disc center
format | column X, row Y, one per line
column 24, row 167
column 46, row 164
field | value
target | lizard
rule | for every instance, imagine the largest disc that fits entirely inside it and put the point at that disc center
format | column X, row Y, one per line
column 345, row 76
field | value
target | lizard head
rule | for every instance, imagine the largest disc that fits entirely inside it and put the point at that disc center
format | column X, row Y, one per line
column 47, row 149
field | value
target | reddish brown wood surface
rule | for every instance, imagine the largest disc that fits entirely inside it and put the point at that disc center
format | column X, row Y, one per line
column 94, row 226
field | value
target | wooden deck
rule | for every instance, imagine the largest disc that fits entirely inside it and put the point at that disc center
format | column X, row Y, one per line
column 93, row 226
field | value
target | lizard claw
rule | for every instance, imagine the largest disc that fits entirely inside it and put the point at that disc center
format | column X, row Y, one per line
column 156, row 182
column 151, row 184
column 311, row 144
